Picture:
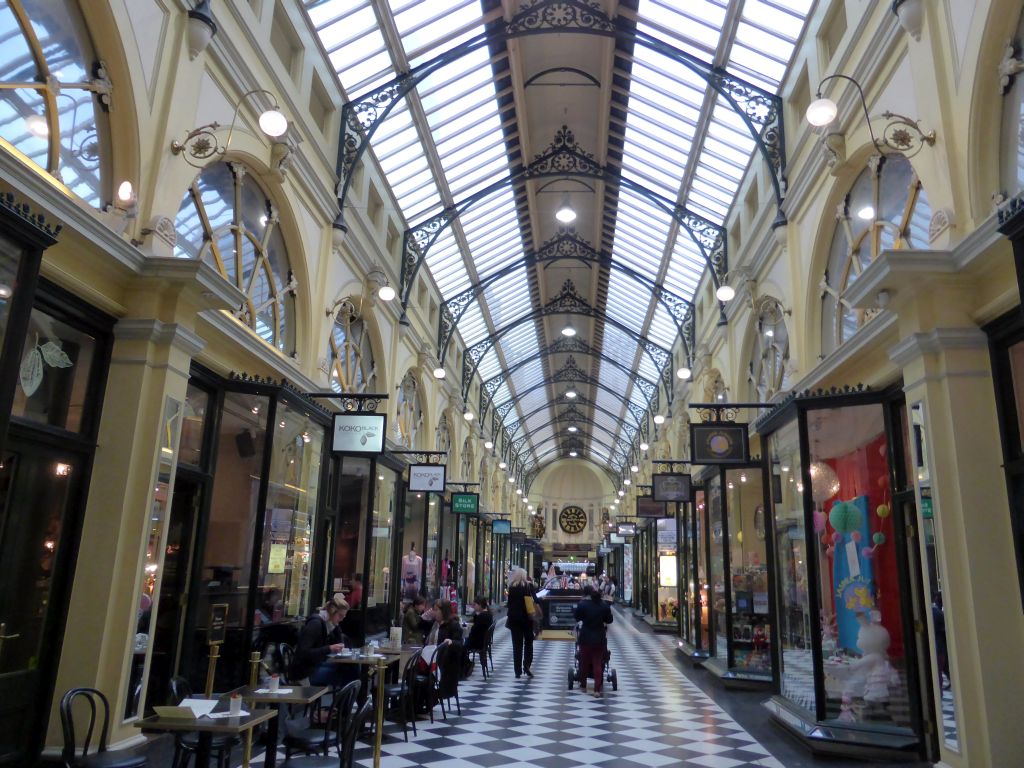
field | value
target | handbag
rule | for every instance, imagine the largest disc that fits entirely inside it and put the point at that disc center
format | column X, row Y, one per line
column 531, row 606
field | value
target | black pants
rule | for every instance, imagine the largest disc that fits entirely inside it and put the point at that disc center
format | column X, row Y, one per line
column 522, row 646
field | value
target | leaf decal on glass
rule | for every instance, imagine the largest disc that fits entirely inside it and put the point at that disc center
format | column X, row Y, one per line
column 32, row 372
column 55, row 356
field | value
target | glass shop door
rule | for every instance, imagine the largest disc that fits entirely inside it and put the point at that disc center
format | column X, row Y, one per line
column 40, row 500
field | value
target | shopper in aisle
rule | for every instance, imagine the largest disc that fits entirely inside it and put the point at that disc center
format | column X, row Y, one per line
column 594, row 616
column 520, row 621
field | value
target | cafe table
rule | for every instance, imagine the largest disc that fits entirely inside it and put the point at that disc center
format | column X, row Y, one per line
column 289, row 694
column 379, row 662
column 208, row 727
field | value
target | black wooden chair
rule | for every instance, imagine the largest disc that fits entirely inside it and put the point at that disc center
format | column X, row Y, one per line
column 313, row 740
column 99, row 726
column 483, row 653
column 349, row 734
column 427, row 684
column 490, row 645
column 287, row 655
column 403, row 694
column 448, row 684
column 187, row 744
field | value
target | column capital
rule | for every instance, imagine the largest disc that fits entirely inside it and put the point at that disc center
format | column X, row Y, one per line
column 936, row 341
column 150, row 330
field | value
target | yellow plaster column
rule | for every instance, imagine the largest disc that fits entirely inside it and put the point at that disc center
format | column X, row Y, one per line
column 948, row 371
column 150, row 363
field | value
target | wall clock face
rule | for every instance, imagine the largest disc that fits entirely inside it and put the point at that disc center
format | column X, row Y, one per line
column 572, row 519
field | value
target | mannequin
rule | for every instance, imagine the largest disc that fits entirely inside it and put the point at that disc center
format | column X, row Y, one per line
column 447, row 573
column 412, row 567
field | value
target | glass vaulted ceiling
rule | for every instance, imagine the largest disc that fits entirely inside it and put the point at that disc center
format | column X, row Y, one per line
column 445, row 141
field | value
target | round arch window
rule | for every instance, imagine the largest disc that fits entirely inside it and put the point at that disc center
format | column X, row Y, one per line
column 228, row 221
column 885, row 209
column 54, row 94
column 351, row 367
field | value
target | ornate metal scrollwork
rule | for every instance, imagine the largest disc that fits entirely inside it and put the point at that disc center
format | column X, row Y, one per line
column 564, row 157
column 24, row 212
column 560, row 15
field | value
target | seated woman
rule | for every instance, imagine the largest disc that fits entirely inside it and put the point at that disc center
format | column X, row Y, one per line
column 449, row 632
column 414, row 625
column 482, row 621
column 320, row 637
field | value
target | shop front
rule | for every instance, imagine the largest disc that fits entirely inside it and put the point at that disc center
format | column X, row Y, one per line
column 694, row 555
column 242, row 509
column 55, row 354
column 851, row 618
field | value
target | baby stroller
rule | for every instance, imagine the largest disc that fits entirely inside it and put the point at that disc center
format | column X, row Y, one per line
column 574, row 671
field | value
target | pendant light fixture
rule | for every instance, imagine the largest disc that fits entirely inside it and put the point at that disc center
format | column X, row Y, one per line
column 566, row 213
column 568, row 330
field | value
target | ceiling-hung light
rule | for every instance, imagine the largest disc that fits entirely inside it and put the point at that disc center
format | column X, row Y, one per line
column 573, row 454
column 467, row 415
column 386, row 293
column 565, row 213
column 659, row 419
column 725, row 293
column 569, row 330
column 439, row 372
column 634, row 468
column 488, row 444
column 570, row 393
column 573, row 428
column 684, row 373
column 622, row 492
column 502, row 465
column 519, row 491
column 274, row 123
column 511, row 479
column 201, row 28
column 644, row 446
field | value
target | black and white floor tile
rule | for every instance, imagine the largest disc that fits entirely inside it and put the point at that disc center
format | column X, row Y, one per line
column 655, row 718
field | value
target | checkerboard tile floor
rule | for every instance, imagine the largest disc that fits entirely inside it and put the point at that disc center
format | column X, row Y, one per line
column 656, row 718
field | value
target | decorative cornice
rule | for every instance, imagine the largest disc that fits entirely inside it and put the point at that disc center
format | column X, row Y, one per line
column 23, row 211
column 155, row 331
column 41, row 193
column 214, row 291
column 936, row 341
column 868, row 336
column 899, row 270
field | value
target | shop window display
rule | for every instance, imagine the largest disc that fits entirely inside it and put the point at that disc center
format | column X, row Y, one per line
column 666, row 569
column 748, row 570
column 292, row 494
column 702, row 597
column 719, row 647
column 794, row 610
column 380, row 590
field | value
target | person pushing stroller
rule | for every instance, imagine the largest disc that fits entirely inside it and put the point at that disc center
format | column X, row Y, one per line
column 594, row 616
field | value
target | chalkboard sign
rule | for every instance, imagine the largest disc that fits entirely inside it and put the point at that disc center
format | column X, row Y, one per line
column 218, row 624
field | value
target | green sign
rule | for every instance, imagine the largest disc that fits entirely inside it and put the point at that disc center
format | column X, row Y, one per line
column 926, row 508
column 465, row 503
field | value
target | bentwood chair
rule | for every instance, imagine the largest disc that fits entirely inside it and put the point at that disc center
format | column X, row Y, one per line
column 187, row 744
column 403, row 694
column 350, row 731
column 99, row 725
column 427, row 684
column 313, row 740
column 447, row 685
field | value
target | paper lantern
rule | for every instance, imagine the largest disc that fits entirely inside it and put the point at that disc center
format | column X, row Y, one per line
column 868, row 552
column 878, row 538
column 845, row 517
column 855, row 536
column 819, row 521
column 824, row 481
column 882, row 511
column 837, row 537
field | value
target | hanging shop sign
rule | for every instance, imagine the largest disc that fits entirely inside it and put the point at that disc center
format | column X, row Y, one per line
column 501, row 527
column 625, row 529
column 615, row 538
column 428, row 478
column 648, row 507
column 672, row 487
column 359, row 432
column 719, row 443
column 465, row 503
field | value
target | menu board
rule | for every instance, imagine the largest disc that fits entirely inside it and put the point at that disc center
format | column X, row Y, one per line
column 560, row 613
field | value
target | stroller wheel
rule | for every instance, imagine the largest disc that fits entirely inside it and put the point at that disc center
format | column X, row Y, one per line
column 615, row 681
column 572, row 677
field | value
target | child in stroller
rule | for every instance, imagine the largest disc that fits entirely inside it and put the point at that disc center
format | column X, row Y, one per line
column 577, row 675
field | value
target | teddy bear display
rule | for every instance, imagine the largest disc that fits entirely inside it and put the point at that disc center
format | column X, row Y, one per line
column 871, row 676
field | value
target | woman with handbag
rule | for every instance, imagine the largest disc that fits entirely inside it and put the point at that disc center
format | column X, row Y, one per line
column 521, row 605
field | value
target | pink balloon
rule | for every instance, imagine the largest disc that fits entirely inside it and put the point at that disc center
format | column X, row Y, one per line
column 868, row 552
column 837, row 537
column 855, row 536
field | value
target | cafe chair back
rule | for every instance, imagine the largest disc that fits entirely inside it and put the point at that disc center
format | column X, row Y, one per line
column 311, row 740
column 448, row 677
column 93, row 754
column 403, row 694
column 187, row 744
column 356, row 725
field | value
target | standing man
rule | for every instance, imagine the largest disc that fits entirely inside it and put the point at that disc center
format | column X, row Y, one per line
column 594, row 615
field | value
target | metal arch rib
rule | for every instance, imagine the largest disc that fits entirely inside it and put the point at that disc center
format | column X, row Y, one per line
column 567, row 245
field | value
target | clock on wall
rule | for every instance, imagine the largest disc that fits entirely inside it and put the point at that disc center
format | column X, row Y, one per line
column 572, row 519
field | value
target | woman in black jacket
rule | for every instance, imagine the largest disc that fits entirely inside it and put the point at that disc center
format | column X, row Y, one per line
column 449, row 632
column 594, row 615
column 482, row 621
column 520, row 621
column 318, row 638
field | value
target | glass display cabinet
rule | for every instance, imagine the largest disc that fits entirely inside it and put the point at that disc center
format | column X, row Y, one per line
column 848, row 585
column 731, row 605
